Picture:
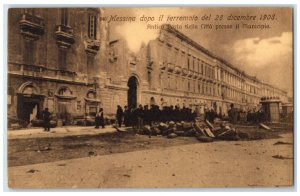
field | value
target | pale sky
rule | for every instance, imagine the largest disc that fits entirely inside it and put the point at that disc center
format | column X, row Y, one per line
column 266, row 54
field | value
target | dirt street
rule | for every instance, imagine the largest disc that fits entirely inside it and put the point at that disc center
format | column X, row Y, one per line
column 257, row 163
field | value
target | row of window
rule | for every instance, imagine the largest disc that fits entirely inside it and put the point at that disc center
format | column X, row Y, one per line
column 232, row 80
column 188, row 61
column 29, row 46
column 65, row 20
column 202, row 88
column 192, row 86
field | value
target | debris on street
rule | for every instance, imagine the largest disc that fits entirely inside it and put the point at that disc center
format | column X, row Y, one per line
column 281, row 157
column 261, row 125
column 204, row 131
column 282, row 143
column 91, row 153
column 33, row 171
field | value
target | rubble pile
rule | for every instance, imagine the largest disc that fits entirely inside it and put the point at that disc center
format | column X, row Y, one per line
column 204, row 131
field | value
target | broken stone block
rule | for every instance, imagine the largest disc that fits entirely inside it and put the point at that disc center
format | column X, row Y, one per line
column 229, row 135
column 199, row 129
column 227, row 127
column 171, row 130
column 205, row 138
column 190, row 132
column 163, row 126
column 216, row 129
column 187, row 126
column 147, row 129
column 261, row 125
column 179, row 126
column 171, row 123
column 91, row 153
column 156, row 130
column 209, row 124
column 243, row 135
column 172, row 135
column 180, row 133
column 208, row 132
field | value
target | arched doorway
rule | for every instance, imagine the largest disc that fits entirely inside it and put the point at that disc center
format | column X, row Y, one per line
column 29, row 103
column 132, row 92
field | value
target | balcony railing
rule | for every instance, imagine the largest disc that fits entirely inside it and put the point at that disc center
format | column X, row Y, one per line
column 43, row 72
column 32, row 27
column 92, row 46
column 64, row 36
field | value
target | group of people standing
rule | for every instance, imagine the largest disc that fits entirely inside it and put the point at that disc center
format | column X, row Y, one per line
column 145, row 115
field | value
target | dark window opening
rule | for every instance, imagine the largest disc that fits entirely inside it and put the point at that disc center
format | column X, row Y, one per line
column 64, row 17
column 92, row 26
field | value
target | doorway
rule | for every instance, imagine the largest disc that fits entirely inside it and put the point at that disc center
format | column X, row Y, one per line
column 29, row 107
column 132, row 92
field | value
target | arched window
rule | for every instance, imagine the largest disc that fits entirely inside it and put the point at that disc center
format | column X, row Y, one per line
column 29, row 90
column 64, row 91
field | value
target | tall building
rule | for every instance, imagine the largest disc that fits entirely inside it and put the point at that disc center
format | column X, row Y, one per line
column 63, row 59
column 55, row 60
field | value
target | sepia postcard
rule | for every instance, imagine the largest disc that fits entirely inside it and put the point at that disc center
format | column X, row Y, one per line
column 150, row 97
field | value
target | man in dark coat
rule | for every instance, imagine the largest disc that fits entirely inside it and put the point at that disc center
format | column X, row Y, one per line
column 47, row 118
column 99, row 119
column 120, row 115
column 177, row 114
column 147, row 115
column 139, row 112
column 232, row 114
column 126, row 116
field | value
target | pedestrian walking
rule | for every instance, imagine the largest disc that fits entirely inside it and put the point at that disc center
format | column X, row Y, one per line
column 99, row 119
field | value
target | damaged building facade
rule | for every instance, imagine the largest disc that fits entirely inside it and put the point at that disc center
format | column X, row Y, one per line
column 63, row 59
column 55, row 61
column 186, row 74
